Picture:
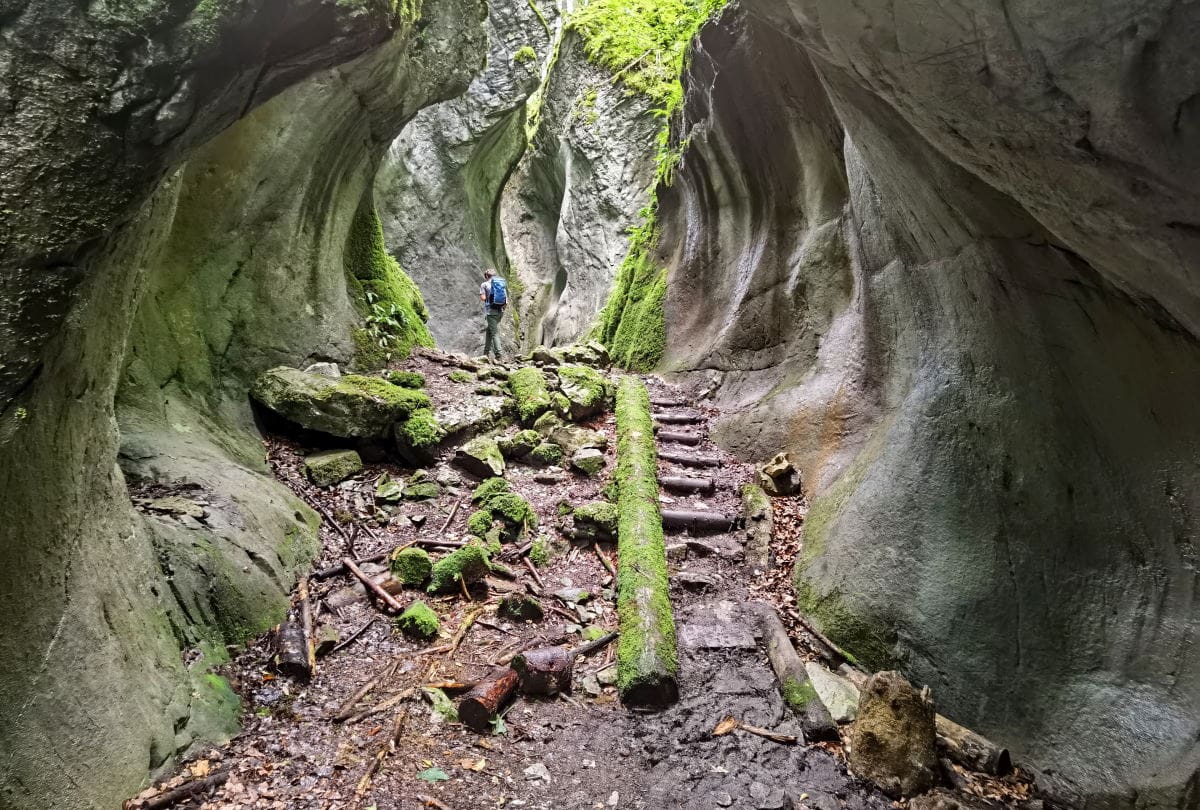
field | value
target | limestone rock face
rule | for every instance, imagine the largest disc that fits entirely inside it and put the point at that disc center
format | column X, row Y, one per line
column 118, row 102
column 892, row 742
column 949, row 271
column 567, row 209
column 439, row 184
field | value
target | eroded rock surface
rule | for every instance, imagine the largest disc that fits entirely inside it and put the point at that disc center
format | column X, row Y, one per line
column 949, row 270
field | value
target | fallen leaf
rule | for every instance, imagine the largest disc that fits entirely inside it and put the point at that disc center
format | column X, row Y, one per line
column 726, row 725
column 201, row 768
column 466, row 763
column 433, row 775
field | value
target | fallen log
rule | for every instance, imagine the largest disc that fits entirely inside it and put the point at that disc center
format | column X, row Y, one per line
column 689, row 460
column 663, row 402
column 291, row 651
column 186, row 791
column 958, row 743
column 479, row 707
column 678, row 483
column 647, row 659
column 545, row 671
column 690, row 439
column 371, row 584
column 797, row 690
column 678, row 418
column 687, row 520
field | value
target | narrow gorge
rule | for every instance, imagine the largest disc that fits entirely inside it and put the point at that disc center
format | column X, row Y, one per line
column 840, row 450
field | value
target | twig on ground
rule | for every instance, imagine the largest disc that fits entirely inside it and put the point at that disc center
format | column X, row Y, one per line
column 374, row 586
column 354, row 636
column 186, row 791
column 388, row 747
column 533, row 572
column 449, row 520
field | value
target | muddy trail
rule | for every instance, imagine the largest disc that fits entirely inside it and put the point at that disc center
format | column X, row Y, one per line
column 375, row 726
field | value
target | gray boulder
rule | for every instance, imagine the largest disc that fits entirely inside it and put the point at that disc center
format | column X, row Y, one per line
column 332, row 466
column 352, row 407
column 480, row 457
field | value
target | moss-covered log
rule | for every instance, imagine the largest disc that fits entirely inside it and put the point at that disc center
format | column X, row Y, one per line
column 647, row 662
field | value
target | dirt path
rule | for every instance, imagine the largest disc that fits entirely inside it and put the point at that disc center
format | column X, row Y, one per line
column 578, row 751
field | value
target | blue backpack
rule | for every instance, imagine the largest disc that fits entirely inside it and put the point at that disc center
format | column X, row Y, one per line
column 498, row 295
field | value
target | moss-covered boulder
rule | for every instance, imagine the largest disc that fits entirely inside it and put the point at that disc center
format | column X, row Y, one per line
column 513, row 513
column 461, row 376
column 332, row 466
column 892, row 743
column 521, row 608
column 588, row 461
column 480, row 521
column 421, row 487
column 466, row 565
column 411, row 566
column 584, row 389
column 418, row 437
column 528, row 388
column 388, row 489
column 547, row 423
column 480, row 457
column 488, row 488
column 546, row 455
column 596, row 520
column 407, row 379
column 352, row 407
column 572, row 439
column 419, row 621
column 519, row 444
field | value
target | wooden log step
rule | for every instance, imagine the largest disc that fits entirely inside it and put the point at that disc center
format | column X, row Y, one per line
column 689, row 459
column 690, row 439
column 681, row 520
column 668, row 402
column 478, row 709
column 678, row 418
column 684, row 484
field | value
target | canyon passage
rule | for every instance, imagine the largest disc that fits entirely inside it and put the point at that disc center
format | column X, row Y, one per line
column 840, row 448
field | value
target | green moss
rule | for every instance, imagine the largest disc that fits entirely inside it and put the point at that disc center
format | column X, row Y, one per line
column 468, row 564
column 480, row 521
column 541, row 17
column 411, row 566
column 520, row 444
column 460, row 376
column 511, row 508
column 419, row 621
column 524, row 55
column 539, row 552
column 546, row 454
column 646, row 650
column 755, row 500
column 392, row 306
column 403, row 400
column 490, row 487
column 593, row 632
column 407, row 379
column 797, row 694
column 597, row 520
column 528, row 387
column 547, row 423
column 421, row 430
column 632, row 324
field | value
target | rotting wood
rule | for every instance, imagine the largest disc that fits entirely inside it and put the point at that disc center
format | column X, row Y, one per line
column 449, row 520
column 374, row 586
column 440, row 543
column 687, row 520
column 647, row 657
column 544, row 671
column 797, row 689
column 291, row 651
column 662, row 402
column 479, row 707
column 355, row 635
column 468, row 620
column 679, row 483
column 186, row 791
column 306, row 618
column 689, row 460
column 728, row 724
column 340, row 568
column 689, row 439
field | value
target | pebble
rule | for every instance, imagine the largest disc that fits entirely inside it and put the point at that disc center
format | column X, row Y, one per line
column 723, row 799
column 538, row 771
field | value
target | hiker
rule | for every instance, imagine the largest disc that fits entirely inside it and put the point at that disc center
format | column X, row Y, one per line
column 493, row 292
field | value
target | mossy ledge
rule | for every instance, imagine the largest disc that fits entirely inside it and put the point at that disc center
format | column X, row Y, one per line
column 647, row 659
column 528, row 388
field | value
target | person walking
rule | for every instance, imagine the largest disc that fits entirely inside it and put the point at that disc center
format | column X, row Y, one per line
column 493, row 292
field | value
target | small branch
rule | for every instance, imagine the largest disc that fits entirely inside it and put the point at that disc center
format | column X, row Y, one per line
column 607, row 563
column 306, row 618
column 449, row 520
column 592, row 646
column 347, row 707
column 183, row 792
column 354, row 636
column 533, row 571
column 374, row 586
column 340, row 568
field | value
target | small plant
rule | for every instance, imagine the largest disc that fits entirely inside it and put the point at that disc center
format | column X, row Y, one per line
column 525, row 55
column 385, row 322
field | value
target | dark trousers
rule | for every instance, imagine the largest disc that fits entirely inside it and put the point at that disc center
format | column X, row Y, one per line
column 491, row 336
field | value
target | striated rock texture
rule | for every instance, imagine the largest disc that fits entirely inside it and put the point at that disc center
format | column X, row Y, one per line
column 439, row 187
column 113, row 615
column 567, row 210
column 951, row 264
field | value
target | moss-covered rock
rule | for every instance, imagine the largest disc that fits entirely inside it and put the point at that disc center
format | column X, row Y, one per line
column 490, row 487
column 528, row 388
column 584, row 390
column 332, row 466
column 418, row 437
column 519, row 444
column 468, row 564
column 411, row 566
column 419, row 621
column 388, row 489
column 521, row 608
column 461, row 376
column 588, row 461
column 596, row 520
column 407, row 379
column 560, row 404
column 352, row 407
column 480, row 522
column 480, row 457
column 572, row 439
column 539, row 552
column 893, row 740
column 547, row 423
column 546, row 455
column 422, row 491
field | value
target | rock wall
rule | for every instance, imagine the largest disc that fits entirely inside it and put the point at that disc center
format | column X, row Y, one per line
column 971, row 318
column 566, row 212
column 112, row 615
column 440, row 183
